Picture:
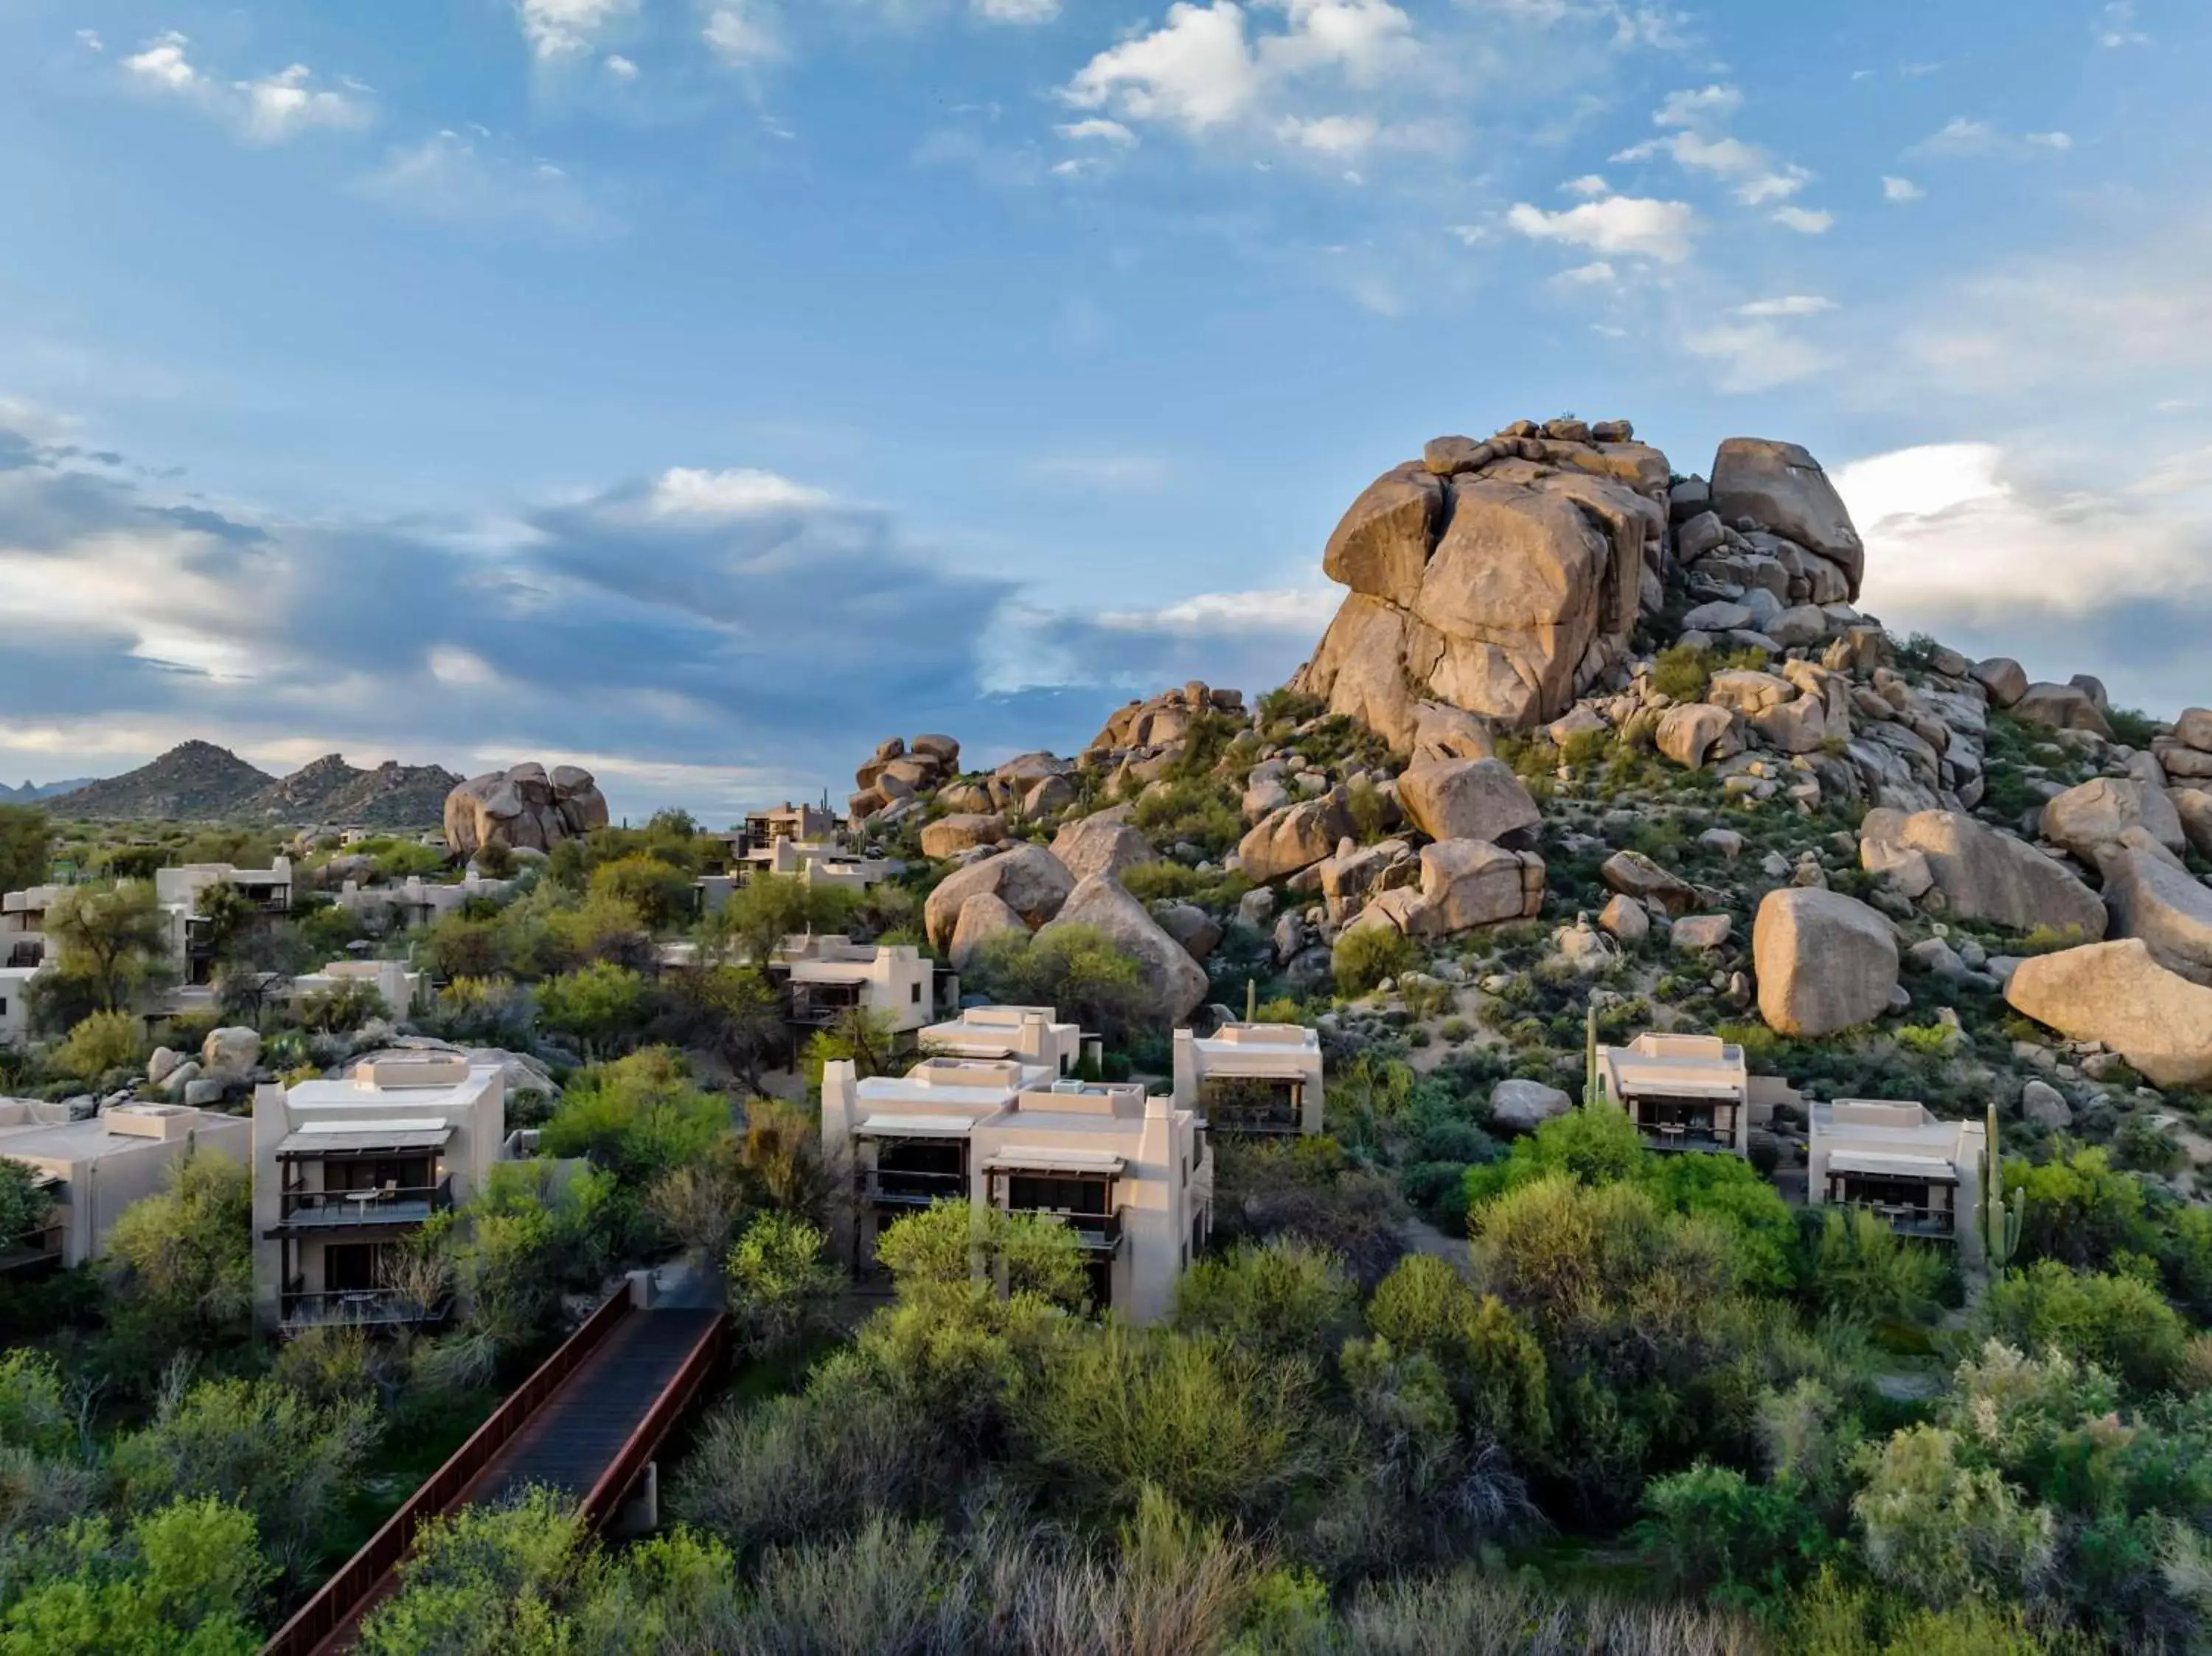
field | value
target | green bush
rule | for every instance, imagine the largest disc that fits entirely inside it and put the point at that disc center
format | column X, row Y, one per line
column 2120, row 1323
column 1363, row 957
column 102, row 1042
column 1863, row 1268
column 1282, row 1299
column 1711, row 1530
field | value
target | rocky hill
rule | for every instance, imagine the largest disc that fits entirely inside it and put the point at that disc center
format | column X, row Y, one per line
column 329, row 790
column 32, row 792
column 1591, row 734
column 199, row 782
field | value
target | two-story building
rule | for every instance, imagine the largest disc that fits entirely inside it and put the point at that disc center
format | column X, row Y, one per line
column 1251, row 1078
column 824, row 977
column 23, row 924
column 1029, row 1035
column 344, row 1171
column 95, row 1168
column 1920, row 1175
column 1131, row 1175
column 1683, row 1092
column 414, row 901
column 179, row 890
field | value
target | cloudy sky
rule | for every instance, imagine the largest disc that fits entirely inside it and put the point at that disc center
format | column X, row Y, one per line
column 702, row 390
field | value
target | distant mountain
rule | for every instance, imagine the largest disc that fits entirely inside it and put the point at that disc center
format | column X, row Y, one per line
column 199, row 782
column 31, row 792
column 331, row 790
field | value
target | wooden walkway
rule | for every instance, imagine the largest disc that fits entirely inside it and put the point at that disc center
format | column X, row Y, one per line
column 588, row 1422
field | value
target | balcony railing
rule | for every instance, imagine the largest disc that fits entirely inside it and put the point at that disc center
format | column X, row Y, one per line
column 899, row 1187
column 1095, row 1233
column 1686, row 1136
column 814, row 1012
column 357, row 1308
column 1938, row 1224
column 342, row 1210
column 1275, row 1116
column 41, row 1247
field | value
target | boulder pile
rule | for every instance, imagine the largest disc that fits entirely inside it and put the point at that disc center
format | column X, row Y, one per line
column 524, row 809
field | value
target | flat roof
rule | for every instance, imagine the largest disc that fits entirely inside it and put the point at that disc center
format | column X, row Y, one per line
column 913, row 1126
column 1030, row 1158
column 78, row 1141
column 362, row 1137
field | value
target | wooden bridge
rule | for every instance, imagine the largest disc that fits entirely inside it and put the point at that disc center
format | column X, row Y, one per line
column 588, row 1422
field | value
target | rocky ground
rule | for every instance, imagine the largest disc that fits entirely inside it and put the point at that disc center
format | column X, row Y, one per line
column 1589, row 732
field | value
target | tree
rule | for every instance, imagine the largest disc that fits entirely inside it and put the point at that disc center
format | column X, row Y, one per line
column 1941, row 1530
column 598, row 1005
column 659, row 891
column 952, row 1243
column 180, row 1268
column 1078, row 968
column 486, row 1579
column 27, row 847
column 2121, row 1324
column 867, row 1040
column 700, row 1203
column 1494, row 1367
column 637, row 1117
column 769, row 907
column 780, row 1285
column 186, row 1578
column 111, row 938
column 526, row 1238
column 102, row 1042
column 1863, row 1268
column 1281, row 1298
column 733, row 1011
column 227, row 914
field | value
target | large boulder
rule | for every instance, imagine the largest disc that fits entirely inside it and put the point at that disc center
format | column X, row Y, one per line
column 524, row 809
column 1982, row 874
column 2116, row 993
column 1442, row 732
column 2194, row 729
column 1697, row 731
column 2062, row 707
column 2164, row 905
column 948, row 836
column 1779, row 486
column 1029, row 879
column 1101, row 845
column 1174, row 986
column 1198, row 932
column 2005, row 679
column 1503, row 589
column 1826, row 962
column 2192, row 809
column 984, row 916
column 1468, row 799
column 1471, row 882
column 1524, row 1106
column 1296, row 837
column 2092, row 821
column 1634, row 875
column 230, row 1052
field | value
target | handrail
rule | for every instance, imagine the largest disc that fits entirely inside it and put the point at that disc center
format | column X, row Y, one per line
column 340, row 1598
column 599, row 1505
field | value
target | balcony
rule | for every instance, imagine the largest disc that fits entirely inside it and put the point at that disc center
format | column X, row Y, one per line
column 33, row 1248
column 1098, row 1235
column 1936, row 1224
column 358, row 1307
column 1275, row 1115
column 305, row 1210
column 901, row 1187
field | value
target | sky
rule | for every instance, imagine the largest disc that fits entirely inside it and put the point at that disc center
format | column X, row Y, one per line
column 701, row 391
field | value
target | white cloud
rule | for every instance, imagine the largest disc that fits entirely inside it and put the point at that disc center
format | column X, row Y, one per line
column 1102, row 131
column 1962, row 138
column 1633, row 225
column 1590, row 184
column 1330, row 134
column 2116, row 26
column 620, row 66
column 91, row 39
column 1900, row 190
column 1790, row 304
column 1757, row 176
column 742, row 32
column 473, row 182
column 1805, row 220
column 1121, row 472
column 1194, row 72
column 566, row 28
column 1016, row 11
column 1598, row 274
column 265, row 111
column 1712, row 103
column 690, row 492
column 1757, row 356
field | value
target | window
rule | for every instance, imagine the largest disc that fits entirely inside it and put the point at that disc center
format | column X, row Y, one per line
column 914, row 993
column 1041, row 1193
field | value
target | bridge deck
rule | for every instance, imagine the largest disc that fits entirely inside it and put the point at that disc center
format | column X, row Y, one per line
column 574, row 1435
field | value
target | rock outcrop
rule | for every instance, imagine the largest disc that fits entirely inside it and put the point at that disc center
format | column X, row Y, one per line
column 1174, row 985
column 524, row 809
column 1471, row 882
column 1500, row 578
column 948, row 836
column 984, row 916
column 1468, row 799
column 1780, row 488
column 2164, row 905
column 1982, row 874
column 1027, row 879
column 2118, row 994
column 1101, row 845
column 1826, row 962
column 1295, row 837
column 2092, row 821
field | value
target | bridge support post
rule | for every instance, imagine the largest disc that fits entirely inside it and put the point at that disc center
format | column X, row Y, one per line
column 640, row 1512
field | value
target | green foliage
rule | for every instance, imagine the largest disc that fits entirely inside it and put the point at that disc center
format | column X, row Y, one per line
column 529, row 1237
column 112, row 938
column 343, row 1008
column 780, row 1285
column 2080, row 1210
column 1281, row 1299
column 104, row 1041
column 598, row 1005
column 185, row 1580
column 1492, row 1363
column 867, row 1039
column 1710, row 1529
column 179, row 1269
column 1863, row 1268
column 1197, row 809
column 637, row 1117
column 1682, row 671
column 1942, row 1530
column 659, row 891
column 256, row 1445
column 487, row 1579
column 27, row 846
column 34, row 1414
column 1364, row 957
column 2120, row 1323
column 769, row 907
column 952, row 1244
column 2132, row 728
column 1076, row 968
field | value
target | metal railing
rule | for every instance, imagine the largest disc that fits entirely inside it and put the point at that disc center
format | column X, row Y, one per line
column 1682, row 1135
column 901, row 1187
column 389, row 1204
column 1906, row 1219
column 363, row 1306
column 340, row 1599
column 601, row 1504
column 1274, row 1116
column 42, row 1245
column 1097, row 1232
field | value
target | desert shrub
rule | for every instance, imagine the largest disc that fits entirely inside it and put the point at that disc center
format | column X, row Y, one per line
column 102, row 1042
column 781, row 1282
column 342, row 1008
column 599, row 1005
column 1682, row 671
column 1863, row 1268
column 1280, row 1298
column 1194, row 809
column 1942, row 1530
column 659, row 891
column 179, row 1269
column 2081, row 1210
column 1711, row 1529
column 1078, row 968
column 1471, row 1612
column 637, row 1117
column 1493, row 1364
column 484, row 1578
column 186, row 1576
column 2120, row 1323
column 1365, row 956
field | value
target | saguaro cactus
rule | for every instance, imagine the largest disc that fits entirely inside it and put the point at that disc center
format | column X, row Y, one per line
column 1589, row 1056
column 2001, row 1219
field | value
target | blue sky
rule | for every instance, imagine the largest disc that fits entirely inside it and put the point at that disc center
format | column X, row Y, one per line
column 704, row 389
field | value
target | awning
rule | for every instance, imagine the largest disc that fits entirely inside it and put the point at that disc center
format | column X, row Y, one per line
column 913, row 1126
column 1020, row 1158
column 1933, row 1169
column 364, row 1138
column 1658, row 1092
